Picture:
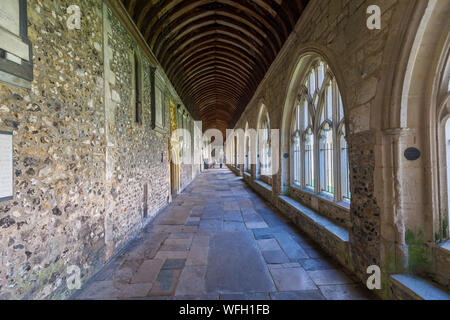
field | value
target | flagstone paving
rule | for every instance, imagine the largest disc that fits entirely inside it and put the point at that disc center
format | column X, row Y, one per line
column 219, row 240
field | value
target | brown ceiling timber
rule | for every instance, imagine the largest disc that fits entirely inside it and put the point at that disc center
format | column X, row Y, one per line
column 169, row 35
column 195, row 17
column 218, row 62
column 227, row 26
column 213, row 109
column 210, row 72
column 130, row 6
column 225, row 35
column 217, row 100
column 210, row 78
column 215, row 114
column 258, row 62
column 185, row 57
column 214, row 78
column 214, row 90
column 215, row 52
column 235, row 80
column 217, row 96
column 156, row 18
column 213, row 31
column 209, row 55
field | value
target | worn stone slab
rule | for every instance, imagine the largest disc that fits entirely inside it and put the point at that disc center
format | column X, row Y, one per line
column 290, row 247
column 211, row 225
column 327, row 277
column 163, row 255
column 234, row 215
column 198, row 256
column 292, row 279
column 233, row 226
column 275, row 257
column 174, row 264
column 261, row 234
column 165, row 283
column 137, row 290
column 192, row 281
column 268, row 244
column 100, row 290
column 148, row 271
column 345, row 292
column 256, row 225
column 200, row 240
column 298, row 295
column 316, row 264
column 235, row 265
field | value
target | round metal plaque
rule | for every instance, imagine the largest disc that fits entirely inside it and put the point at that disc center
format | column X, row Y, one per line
column 412, row 154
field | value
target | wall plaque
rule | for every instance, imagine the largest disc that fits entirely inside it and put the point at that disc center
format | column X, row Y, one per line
column 16, row 61
column 412, row 154
column 6, row 166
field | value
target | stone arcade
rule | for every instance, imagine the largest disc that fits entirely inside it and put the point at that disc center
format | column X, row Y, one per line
column 352, row 189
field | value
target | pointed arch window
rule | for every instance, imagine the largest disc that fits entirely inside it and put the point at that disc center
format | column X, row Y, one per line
column 309, row 159
column 318, row 141
column 264, row 166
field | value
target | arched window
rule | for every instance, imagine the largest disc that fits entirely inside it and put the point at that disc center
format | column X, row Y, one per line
column 443, row 146
column 247, row 153
column 265, row 152
column 326, row 159
column 309, row 159
column 235, row 152
column 264, row 161
column 318, row 145
column 345, row 169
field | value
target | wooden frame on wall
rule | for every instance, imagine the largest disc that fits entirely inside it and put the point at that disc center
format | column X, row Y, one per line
column 158, row 104
column 16, row 55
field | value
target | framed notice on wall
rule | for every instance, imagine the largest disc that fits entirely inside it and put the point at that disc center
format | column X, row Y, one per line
column 16, row 63
column 157, row 103
column 6, row 166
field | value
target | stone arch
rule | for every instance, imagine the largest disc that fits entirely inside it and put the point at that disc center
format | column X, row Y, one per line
column 307, row 56
column 410, row 189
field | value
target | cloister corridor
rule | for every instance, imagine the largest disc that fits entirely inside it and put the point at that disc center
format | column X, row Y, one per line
column 219, row 240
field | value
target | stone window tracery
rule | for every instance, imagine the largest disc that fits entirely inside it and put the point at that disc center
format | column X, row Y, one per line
column 318, row 142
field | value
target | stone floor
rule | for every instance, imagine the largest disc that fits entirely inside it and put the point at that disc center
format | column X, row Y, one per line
column 219, row 240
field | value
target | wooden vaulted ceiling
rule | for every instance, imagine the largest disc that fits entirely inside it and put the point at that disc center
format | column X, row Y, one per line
column 215, row 52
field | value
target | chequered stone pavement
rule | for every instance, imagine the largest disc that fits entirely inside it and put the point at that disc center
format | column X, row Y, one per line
column 219, row 240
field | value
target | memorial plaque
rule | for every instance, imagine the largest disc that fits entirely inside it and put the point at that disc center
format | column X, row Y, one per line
column 9, row 16
column 412, row 154
column 6, row 166
column 158, row 108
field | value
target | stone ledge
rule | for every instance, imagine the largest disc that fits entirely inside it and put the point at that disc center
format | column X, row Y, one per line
column 416, row 288
column 445, row 245
column 235, row 170
column 332, row 238
column 321, row 221
column 264, row 185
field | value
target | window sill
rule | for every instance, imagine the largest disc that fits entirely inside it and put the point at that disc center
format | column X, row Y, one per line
column 445, row 245
column 322, row 222
column 344, row 205
column 264, row 185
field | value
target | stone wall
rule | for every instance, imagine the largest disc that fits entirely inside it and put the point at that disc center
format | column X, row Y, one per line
column 362, row 61
column 81, row 162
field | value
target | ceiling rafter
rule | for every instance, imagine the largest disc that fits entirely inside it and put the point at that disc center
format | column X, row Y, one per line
column 215, row 52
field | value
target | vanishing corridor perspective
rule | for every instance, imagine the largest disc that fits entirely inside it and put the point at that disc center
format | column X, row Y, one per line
column 224, row 149
column 220, row 240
